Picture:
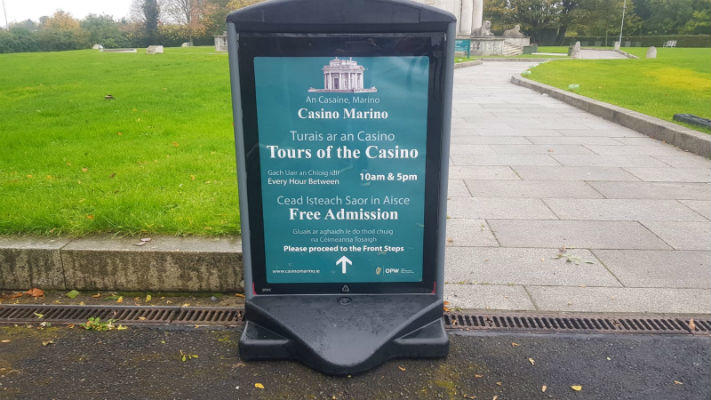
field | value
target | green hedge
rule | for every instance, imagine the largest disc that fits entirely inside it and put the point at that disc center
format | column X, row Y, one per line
column 645, row 40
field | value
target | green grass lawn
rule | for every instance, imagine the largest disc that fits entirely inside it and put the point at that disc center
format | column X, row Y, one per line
column 159, row 158
column 677, row 81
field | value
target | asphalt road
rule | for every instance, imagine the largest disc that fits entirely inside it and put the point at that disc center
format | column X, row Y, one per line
column 146, row 363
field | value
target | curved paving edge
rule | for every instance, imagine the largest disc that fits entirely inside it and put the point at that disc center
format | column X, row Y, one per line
column 165, row 263
column 467, row 64
column 679, row 136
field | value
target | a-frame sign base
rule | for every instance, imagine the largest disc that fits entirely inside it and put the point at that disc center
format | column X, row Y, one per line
column 340, row 335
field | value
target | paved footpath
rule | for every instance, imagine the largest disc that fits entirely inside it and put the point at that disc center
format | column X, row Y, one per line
column 530, row 175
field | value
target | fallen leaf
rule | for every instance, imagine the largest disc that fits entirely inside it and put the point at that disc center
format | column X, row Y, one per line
column 192, row 177
column 175, row 144
column 120, row 299
column 84, row 169
column 514, row 344
column 544, row 388
column 147, row 239
column 96, row 296
column 186, row 305
column 119, row 133
column 692, row 325
column 446, row 306
column 90, row 216
column 121, row 328
column 148, row 298
column 38, row 315
column 239, row 295
column 495, row 397
column 72, row 294
column 81, row 303
column 577, row 388
column 5, row 341
column 401, row 368
column 48, row 342
column 259, row 386
column 142, row 318
column 678, row 383
column 34, row 292
column 478, row 376
column 532, row 361
column 499, row 383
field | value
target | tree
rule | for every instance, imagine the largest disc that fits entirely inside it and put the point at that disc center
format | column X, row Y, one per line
column 102, row 29
column 151, row 13
column 61, row 32
column 536, row 16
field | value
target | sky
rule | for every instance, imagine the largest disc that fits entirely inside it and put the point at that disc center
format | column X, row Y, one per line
column 20, row 10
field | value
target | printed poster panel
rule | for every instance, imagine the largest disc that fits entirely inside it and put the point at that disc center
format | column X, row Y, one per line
column 342, row 145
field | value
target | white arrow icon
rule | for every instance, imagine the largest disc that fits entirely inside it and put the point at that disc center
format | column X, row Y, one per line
column 344, row 261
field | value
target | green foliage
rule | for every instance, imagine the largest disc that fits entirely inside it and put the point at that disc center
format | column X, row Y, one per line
column 151, row 17
column 677, row 81
column 96, row 324
column 159, row 158
column 550, row 21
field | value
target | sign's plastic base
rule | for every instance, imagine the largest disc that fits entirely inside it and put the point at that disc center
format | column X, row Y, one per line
column 343, row 334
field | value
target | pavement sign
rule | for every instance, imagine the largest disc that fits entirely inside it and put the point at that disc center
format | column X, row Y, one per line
column 342, row 111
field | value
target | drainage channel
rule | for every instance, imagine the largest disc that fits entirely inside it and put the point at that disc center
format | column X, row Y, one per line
column 474, row 321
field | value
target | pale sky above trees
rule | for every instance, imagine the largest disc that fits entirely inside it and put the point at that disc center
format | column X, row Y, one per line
column 20, row 10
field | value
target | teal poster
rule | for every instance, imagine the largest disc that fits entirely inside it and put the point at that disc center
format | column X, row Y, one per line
column 342, row 149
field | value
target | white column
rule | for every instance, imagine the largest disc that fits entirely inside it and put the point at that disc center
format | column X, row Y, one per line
column 465, row 23
column 477, row 15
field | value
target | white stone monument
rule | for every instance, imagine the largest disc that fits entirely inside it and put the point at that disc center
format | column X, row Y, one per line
column 651, row 52
column 221, row 42
column 154, row 49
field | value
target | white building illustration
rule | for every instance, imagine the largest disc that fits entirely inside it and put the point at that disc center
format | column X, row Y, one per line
column 343, row 76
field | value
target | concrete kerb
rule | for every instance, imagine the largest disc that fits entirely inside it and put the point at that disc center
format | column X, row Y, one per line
column 467, row 64
column 679, row 136
column 109, row 263
column 624, row 53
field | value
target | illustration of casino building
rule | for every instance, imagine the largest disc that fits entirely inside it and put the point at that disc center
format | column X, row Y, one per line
column 343, row 76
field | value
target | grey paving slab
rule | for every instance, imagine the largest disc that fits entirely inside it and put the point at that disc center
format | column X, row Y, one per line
column 531, row 189
column 470, row 149
column 472, row 139
column 584, row 140
column 469, row 232
column 667, row 174
column 482, row 172
column 502, row 159
column 700, row 206
column 457, row 188
column 539, row 149
column 679, row 159
column 683, row 235
column 653, row 190
column 614, row 132
column 483, row 208
column 27, row 262
column 545, row 173
column 525, row 267
column 488, row 297
column 659, row 268
column 622, row 209
column 581, row 160
column 575, row 234
column 633, row 150
column 604, row 299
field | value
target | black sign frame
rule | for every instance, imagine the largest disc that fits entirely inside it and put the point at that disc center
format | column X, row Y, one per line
column 430, row 44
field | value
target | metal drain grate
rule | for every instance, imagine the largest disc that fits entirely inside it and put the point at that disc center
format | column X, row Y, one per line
column 26, row 313
column 572, row 323
column 517, row 322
